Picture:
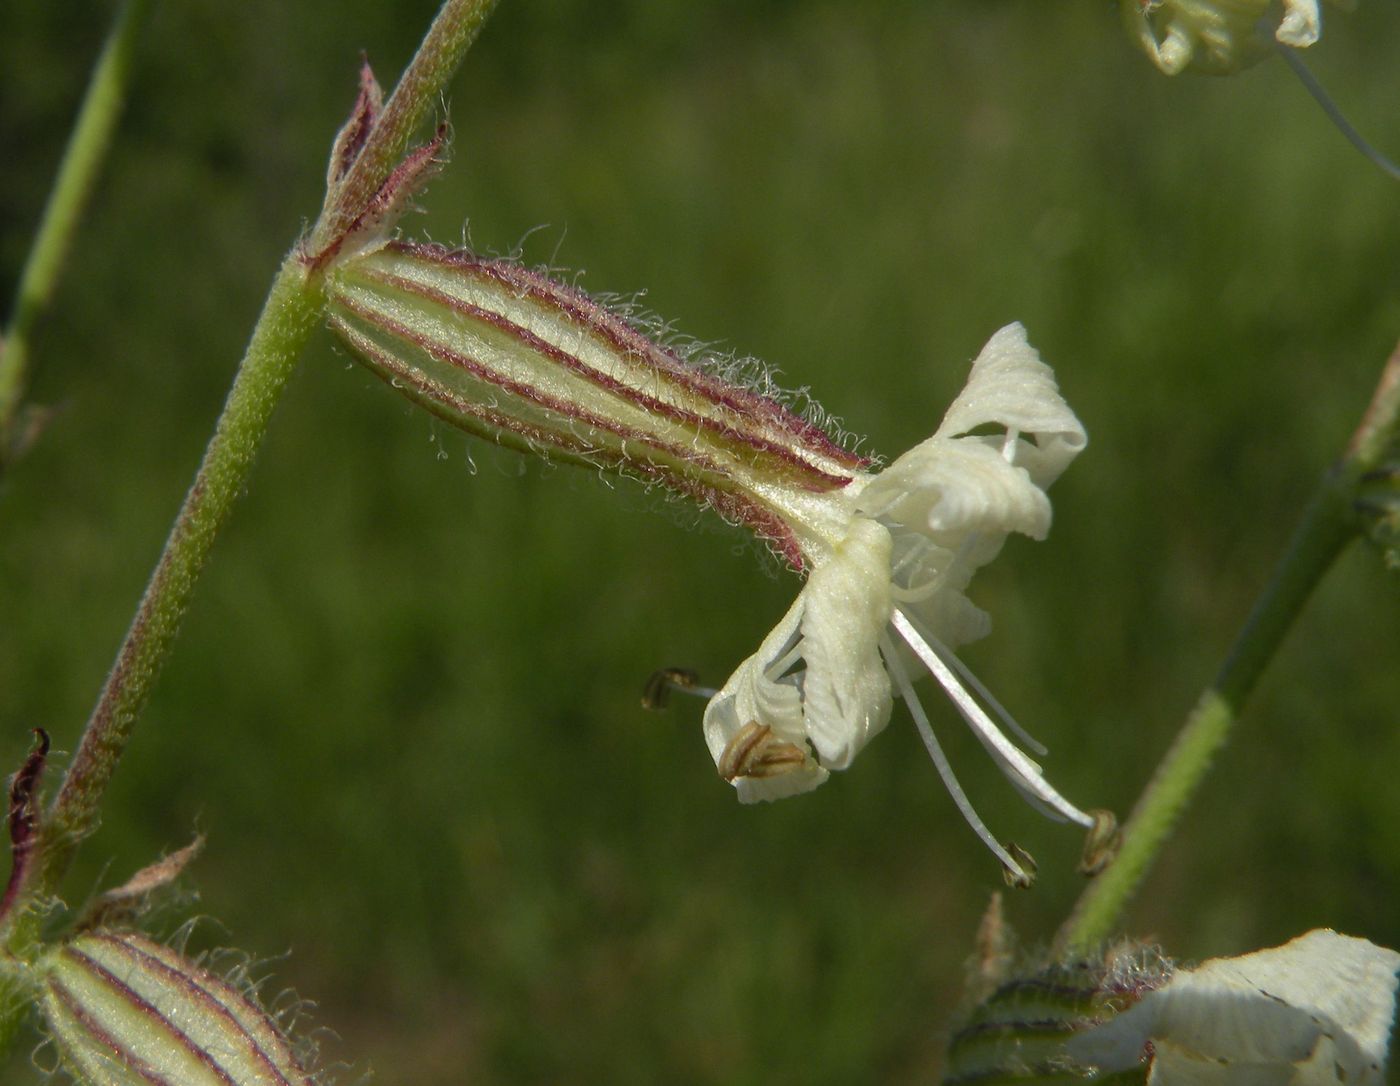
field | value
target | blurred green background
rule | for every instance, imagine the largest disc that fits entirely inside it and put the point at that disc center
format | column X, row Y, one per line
column 404, row 707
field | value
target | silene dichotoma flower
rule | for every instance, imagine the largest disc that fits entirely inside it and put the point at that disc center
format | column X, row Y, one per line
column 512, row 355
column 885, row 600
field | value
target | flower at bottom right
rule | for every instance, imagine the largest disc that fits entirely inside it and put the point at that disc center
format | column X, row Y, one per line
column 1316, row 1011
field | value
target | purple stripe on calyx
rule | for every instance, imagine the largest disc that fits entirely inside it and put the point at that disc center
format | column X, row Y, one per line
column 746, row 403
column 808, row 476
column 730, row 502
column 215, row 996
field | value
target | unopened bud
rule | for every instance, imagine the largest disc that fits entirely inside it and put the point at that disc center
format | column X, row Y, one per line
column 125, row 1010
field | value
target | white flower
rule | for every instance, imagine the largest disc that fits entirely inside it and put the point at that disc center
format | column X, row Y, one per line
column 1218, row 36
column 1316, row 1011
column 891, row 556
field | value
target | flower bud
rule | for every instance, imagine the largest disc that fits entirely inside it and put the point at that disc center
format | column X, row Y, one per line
column 124, row 1010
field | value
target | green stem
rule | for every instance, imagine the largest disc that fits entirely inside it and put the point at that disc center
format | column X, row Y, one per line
column 77, row 174
column 290, row 314
column 444, row 45
column 293, row 309
column 1328, row 524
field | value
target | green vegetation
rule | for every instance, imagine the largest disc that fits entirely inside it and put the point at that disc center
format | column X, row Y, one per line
column 405, row 704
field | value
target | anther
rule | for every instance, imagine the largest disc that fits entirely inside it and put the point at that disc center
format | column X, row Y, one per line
column 657, row 691
column 1100, row 843
column 1022, row 875
column 754, row 752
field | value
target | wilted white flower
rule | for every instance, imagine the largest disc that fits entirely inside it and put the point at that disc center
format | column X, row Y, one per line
column 1316, row 1011
column 891, row 555
column 1219, row 36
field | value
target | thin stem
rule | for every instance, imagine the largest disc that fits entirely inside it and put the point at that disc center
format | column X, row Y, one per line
column 444, row 45
column 1327, row 525
column 1334, row 113
column 295, row 306
column 77, row 174
column 289, row 316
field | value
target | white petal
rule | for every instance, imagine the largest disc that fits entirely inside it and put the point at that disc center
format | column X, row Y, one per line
column 1316, row 1010
column 1011, row 387
column 723, row 721
column 1302, row 23
column 848, row 603
column 751, row 694
column 950, row 488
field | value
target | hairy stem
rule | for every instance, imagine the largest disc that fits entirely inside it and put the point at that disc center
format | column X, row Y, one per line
column 294, row 307
column 1327, row 525
column 82, row 160
column 289, row 316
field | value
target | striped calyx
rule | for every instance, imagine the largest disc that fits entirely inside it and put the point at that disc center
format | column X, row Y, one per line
column 1018, row 1034
column 125, row 1010
column 508, row 354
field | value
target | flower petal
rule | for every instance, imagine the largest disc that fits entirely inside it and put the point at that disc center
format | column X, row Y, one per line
column 948, row 487
column 1316, row 1010
column 848, row 603
column 1010, row 386
column 753, row 694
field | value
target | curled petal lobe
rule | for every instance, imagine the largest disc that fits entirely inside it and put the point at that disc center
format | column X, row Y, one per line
column 1012, row 388
column 848, row 603
column 758, row 693
column 946, row 486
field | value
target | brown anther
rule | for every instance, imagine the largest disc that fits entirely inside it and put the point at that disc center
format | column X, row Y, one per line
column 1026, row 878
column 754, row 752
column 657, row 691
column 1101, row 843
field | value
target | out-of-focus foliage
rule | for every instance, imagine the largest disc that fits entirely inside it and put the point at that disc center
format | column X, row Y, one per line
column 405, row 705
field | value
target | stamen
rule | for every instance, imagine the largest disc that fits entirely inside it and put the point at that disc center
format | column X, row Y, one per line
column 918, row 593
column 790, row 655
column 1028, row 864
column 1024, row 772
column 951, row 658
column 1101, row 843
column 753, row 752
column 940, row 761
column 657, row 691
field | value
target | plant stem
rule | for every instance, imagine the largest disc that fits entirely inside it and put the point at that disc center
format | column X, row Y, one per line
column 443, row 47
column 1328, row 524
column 293, row 309
column 77, row 173
column 289, row 316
